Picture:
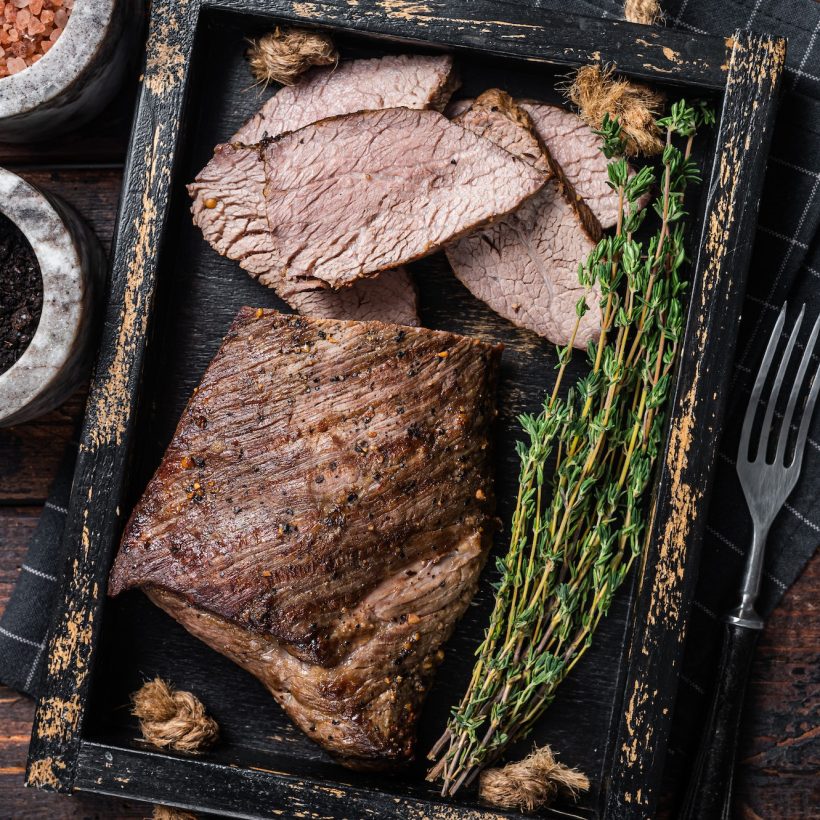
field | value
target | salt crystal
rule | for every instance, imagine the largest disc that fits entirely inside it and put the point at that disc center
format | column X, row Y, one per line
column 28, row 29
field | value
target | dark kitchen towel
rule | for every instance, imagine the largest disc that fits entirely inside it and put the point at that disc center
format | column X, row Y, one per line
column 26, row 618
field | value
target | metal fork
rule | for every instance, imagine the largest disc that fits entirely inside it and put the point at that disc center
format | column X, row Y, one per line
column 766, row 486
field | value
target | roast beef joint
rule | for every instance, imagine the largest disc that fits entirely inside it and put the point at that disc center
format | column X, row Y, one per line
column 322, row 515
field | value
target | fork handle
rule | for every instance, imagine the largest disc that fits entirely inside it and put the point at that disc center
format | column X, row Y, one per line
column 709, row 795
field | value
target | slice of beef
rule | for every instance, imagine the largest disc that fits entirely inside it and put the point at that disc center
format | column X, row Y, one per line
column 495, row 98
column 525, row 267
column 350, row 196
column 412, row 81
column 229, row 207
column 495, row 116
column 322, row 514
column 389, row 297
column 228, row 200
column 576, row 156
column 577, row 150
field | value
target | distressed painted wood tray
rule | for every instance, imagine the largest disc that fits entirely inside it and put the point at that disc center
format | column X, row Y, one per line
column 171, row 300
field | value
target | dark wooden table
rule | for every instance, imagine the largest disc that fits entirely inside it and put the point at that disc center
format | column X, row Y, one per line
column 778, row 777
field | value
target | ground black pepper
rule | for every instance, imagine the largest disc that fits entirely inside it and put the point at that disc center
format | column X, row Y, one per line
column 21, row 293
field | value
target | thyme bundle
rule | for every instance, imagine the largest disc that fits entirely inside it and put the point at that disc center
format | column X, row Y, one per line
column 576, row 534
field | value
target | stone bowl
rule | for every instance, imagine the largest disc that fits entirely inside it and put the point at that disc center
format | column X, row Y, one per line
column 73, row 266
column 78, row 75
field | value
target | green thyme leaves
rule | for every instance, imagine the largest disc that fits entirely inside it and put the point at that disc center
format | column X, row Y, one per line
column 576, row 533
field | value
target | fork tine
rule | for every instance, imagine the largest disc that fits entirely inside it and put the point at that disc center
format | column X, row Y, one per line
column 762, row 373
column 780, row 457
column 808, row 412
column 771, row 404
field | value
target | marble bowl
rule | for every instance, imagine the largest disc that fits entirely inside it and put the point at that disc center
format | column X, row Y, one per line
column 72, row 265
column 77, row 77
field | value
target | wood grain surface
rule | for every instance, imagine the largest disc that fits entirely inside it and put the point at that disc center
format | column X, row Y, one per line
column 779, row 749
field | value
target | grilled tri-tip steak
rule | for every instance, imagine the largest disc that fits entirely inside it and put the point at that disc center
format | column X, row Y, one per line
column 525, row 267
column 228, row 199
column 322, row 514
column 354, row 195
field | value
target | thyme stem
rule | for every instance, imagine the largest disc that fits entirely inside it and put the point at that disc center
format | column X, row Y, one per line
column 576, row 534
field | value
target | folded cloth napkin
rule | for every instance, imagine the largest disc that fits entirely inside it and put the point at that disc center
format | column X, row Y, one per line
column 26, row 618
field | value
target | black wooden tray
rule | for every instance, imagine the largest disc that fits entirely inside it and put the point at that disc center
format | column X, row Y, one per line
column 171, row 300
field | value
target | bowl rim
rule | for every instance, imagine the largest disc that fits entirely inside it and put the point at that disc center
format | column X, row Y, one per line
column 62, row 64
column 64, row 285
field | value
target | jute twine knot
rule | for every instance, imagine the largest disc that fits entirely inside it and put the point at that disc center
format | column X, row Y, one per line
column 285, row 54
column 167, row 813
column 531, row 783
column 647, row 12
column 173, row 719
column 596, row 91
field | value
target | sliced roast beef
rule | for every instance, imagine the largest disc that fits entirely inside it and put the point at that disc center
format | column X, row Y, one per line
column 525, row 267
column 228, row 199
column 496, row 117
column 458, row 108
column 577, row 150
column 412, row 81
column 322, row 514
column 389, row 297
column 348, row 197
column 229, row 207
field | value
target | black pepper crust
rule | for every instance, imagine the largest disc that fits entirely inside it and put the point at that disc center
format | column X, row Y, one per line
column 326, row 501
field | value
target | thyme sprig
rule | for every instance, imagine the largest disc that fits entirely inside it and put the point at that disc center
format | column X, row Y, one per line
column 576, row 533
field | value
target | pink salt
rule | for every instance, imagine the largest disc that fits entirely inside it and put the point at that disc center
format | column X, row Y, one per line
column 28, row 29
column 16, row 64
